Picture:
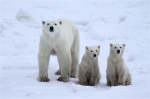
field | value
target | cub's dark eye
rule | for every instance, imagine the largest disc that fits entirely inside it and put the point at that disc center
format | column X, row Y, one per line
column 55, row 24
column 120, row 47
column 91, row 51
column 115, row 47
column 96, row 50
column 47, row 23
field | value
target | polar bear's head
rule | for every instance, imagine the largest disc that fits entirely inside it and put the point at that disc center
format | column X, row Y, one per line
column 117, row 49
column 92, row 51
column 51, row 27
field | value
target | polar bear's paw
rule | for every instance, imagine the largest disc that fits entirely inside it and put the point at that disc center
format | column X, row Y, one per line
column 63, row 79
column 43, row 79
column 92, row 83
column 108, row 83
column 73, row 75
column 84, row 83
column 58, row 72
column 127, row 83
column 120, row 84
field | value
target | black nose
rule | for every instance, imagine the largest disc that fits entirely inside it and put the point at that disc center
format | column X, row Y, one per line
column 51, row 28
column 94, row 55
column 118, row 51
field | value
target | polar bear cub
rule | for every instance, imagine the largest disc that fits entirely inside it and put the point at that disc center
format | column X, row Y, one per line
column 89, row 73
column 61, row 38
column 117, row 71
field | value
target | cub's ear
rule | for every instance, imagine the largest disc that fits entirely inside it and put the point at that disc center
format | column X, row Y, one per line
column 111, row 44
column 98, row 46
column 124, row 45
column 60, row 22
column 86, row 47
column 43, row 22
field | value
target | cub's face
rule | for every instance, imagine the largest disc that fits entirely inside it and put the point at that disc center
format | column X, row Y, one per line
column 51, row 27
column 93, row 51
column 117, row 49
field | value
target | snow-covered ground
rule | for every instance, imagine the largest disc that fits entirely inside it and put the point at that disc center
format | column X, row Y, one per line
column 99, row 22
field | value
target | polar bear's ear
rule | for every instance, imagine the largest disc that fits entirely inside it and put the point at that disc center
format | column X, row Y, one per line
column 86, row 47
column 111, row 44
column 124, row 45
column 43, row 22
column 60, row 22
column 98, row 46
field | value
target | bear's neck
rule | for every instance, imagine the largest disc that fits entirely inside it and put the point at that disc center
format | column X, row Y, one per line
column 90, row 60
column 114, row 57
column 56, row 37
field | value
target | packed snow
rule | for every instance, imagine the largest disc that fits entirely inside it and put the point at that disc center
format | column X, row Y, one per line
column 100, row 22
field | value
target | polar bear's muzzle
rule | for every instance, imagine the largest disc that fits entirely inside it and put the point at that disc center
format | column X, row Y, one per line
column 118, row 51
column 51, row 29
column 94, row 55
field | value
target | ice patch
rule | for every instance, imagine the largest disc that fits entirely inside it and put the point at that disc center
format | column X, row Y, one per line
column 81, row 88
column 24, row 16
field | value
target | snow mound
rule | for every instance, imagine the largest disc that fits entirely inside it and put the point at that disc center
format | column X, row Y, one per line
column 131, row 57
column 1, row 28
column 21, row 45
column 97, row 31
column 121, row 19
column 81, row 88
column 24, row 16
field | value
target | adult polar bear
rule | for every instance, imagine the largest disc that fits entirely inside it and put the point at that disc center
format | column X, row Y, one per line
column 61, row 38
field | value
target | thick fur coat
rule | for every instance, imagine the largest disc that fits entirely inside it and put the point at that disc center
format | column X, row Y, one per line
column 89, row 73
column 61, row 38
column 117, row 71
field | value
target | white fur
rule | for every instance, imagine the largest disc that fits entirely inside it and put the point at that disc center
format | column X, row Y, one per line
column 89, row 73
column 63, row 41
column 117, row 71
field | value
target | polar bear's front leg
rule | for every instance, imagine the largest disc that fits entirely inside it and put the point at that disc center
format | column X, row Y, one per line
column 113, row 79
column 94, row 78
column 65, row 64
column 128, row 79
column 82, row 75
column 43, row 62
column 108, row 80
column 43, row 68
column 121, row 79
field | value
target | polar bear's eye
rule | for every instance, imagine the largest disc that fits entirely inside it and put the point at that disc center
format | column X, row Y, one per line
column 47, row 23
column 120, row 47
column 91, row 51
column 115, row 47
column 55, row 24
